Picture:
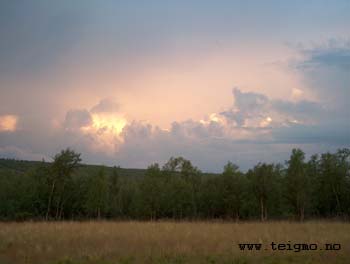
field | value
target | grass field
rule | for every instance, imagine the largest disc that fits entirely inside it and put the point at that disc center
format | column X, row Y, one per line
column 169, row 242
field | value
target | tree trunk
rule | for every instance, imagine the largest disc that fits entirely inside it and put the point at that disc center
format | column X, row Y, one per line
column 301, row 214
column 61, row 211
column 237, row 217
column 262, row 210
column 58, row 206
column 50, row 200
column 337, row 200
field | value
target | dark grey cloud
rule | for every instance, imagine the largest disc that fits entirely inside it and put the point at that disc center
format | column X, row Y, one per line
column 14, row 152
column 145, row 144
column 196, row 130
column 299, row 110
column 331, row 133
column 334, row 53
column 248, row 101
column 249, row 105
column 245, row 105
column 34, row 34
column 76, row 119
column 325, row 71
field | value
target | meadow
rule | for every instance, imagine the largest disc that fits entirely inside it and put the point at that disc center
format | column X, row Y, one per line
column 110, row 242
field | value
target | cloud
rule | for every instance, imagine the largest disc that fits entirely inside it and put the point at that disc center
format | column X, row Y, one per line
column 266, row 124
column 266, row 134
column 8, row 123
column 105, row 105
column 20, row 153
column 330, row 132
column 100, row 128
column 254, row 110
column 334, row 53
column 325, row 71
column 300, row 110
column 254, row 128
column 245, row 106
column 76, row 119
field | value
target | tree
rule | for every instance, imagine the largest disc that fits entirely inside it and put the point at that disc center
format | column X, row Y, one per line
column 261, row 181
column 190, row 176
column 231, row 187
column 333, row 179
column 151, row 191
column 37, row 190
column 62, row 167
column 319, row 187
column 297, row 183
column 210, row 198
column 96, row 200
column 114, row 193
column 313, row 173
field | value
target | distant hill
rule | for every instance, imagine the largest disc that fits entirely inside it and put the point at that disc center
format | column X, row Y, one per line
column 23, row 166
column 10, row 166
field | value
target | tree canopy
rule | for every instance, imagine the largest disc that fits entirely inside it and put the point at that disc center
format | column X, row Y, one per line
column 66, row 189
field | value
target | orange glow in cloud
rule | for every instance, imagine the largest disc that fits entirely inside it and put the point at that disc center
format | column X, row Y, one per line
column 110, row 122
column 106, row 129
column 199, row 78
column 8, row 123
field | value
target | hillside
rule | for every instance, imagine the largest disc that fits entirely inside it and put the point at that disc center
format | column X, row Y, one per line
column 9, row 166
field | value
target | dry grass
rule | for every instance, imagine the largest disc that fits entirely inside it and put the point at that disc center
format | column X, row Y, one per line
column 167, row 242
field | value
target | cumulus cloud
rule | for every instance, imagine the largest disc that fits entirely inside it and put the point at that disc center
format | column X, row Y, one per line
column 301, row 110
column 254, row 128
column 330, row 132
column 246, row 105
column 105, row 105
column 254, row 110
column 334, row 53
column 325, row 71
column 76, row 119
column 267, row 127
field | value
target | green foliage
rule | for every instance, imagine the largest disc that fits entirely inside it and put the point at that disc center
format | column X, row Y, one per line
column 114, row 203
column 97, row 195
column 264, row 185
column 231, row 186
column 60, row 181
column 66, row 189
column 297, row 183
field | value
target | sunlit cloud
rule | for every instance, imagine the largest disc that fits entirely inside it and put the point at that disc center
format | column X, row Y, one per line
column 110, row 122
column 266, row 122
column 106, row 128
column 8, row 123
column 102, row 126
column 251, row 117
column 297, row 93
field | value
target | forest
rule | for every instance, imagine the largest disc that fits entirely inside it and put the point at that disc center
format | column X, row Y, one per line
column 66, row 189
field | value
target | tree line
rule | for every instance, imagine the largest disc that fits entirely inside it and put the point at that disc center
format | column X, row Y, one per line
column 299, row 189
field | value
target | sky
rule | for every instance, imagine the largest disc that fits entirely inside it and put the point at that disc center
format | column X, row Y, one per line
column 131, row 83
